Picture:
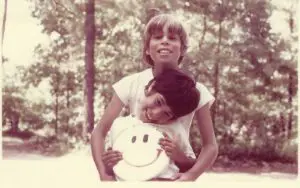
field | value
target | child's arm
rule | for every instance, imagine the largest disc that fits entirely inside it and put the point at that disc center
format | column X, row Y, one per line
column 173, row 150
column 98, row 135
column 209, row 151
column 185, row 163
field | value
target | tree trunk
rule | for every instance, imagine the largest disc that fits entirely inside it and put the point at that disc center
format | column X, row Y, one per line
column 224, row 113
column 204, row 30
column 14, row 122
column 56, row 112
column 282, row 124
column 216, row 72
column 56, row 105
column 68, row 101
column 85, row 114
column 3, row 29
column 290, row 87
column 290, row 116
column 89, row 65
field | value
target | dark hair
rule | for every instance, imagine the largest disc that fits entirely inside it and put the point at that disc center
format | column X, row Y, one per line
column 157, row 23
column 179, row 91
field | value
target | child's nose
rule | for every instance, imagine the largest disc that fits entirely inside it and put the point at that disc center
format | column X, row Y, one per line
column 165, row 39
column 156, row 113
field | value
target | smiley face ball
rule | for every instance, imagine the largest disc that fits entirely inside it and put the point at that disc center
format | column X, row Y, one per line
column 143, row 158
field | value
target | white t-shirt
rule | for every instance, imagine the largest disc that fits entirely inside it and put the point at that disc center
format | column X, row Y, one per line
column 130, row 90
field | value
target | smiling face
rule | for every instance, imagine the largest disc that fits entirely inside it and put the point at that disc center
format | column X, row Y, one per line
column 168, row 96
column 143, row 157
column 163, row 36
column 164, row 48
column 139, row 140
column 155, row 109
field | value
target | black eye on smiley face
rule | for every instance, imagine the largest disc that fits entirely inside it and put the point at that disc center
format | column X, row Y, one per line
column 133, row 139
column 145, row 138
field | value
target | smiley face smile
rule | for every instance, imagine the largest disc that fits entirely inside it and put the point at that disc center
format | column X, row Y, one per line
column 142, row 165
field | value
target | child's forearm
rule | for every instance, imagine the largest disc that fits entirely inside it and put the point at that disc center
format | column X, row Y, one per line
column 97, row 143
column 185, row 163
column 205, row 159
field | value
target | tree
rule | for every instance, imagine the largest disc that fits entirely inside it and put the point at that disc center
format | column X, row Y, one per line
column 292, row 75
column 3, row 30
column 89, row 65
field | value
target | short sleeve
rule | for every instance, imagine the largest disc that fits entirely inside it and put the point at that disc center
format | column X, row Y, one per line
column 123, row 88
column 190, row 153
column 205, row 96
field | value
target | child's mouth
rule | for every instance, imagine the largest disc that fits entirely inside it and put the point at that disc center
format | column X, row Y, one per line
column 147, row 115
column 164, row 51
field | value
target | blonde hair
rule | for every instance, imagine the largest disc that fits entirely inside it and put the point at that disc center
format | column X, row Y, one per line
column 157, row 23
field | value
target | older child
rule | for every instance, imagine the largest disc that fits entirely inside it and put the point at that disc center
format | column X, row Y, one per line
column 165, row 43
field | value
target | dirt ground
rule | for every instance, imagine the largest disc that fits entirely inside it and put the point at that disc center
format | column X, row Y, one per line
column 23, row 168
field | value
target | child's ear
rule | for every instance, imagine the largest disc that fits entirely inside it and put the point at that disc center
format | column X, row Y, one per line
column 148, row 89
column 183, row 52
column 151, row 86
column 147, row 52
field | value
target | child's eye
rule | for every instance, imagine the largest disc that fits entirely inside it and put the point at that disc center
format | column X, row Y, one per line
column 172, row 37
column 167, row 114
column 157, row 36
column 157, row 102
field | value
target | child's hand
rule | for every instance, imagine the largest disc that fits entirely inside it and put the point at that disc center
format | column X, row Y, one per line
column 186, row 177
column 110, row 158
column 108, row 178
column 171, row 148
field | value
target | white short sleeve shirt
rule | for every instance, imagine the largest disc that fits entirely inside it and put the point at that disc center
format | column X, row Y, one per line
column 130, row 90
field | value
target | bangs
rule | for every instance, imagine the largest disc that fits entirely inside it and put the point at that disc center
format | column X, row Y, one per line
column 158, row 23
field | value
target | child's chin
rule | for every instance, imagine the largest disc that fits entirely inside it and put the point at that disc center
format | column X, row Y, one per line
column 144, row 119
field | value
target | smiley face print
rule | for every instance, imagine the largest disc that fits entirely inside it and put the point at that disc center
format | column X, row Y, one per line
column 143, row 157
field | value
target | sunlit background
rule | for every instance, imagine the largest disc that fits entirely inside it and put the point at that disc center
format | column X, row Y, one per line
column 23, row 34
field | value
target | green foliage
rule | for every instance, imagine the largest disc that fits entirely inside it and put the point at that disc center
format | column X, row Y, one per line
column 257, row 80
column 16, row 109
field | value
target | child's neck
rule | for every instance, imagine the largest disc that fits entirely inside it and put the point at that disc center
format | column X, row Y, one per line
column 156, row 70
